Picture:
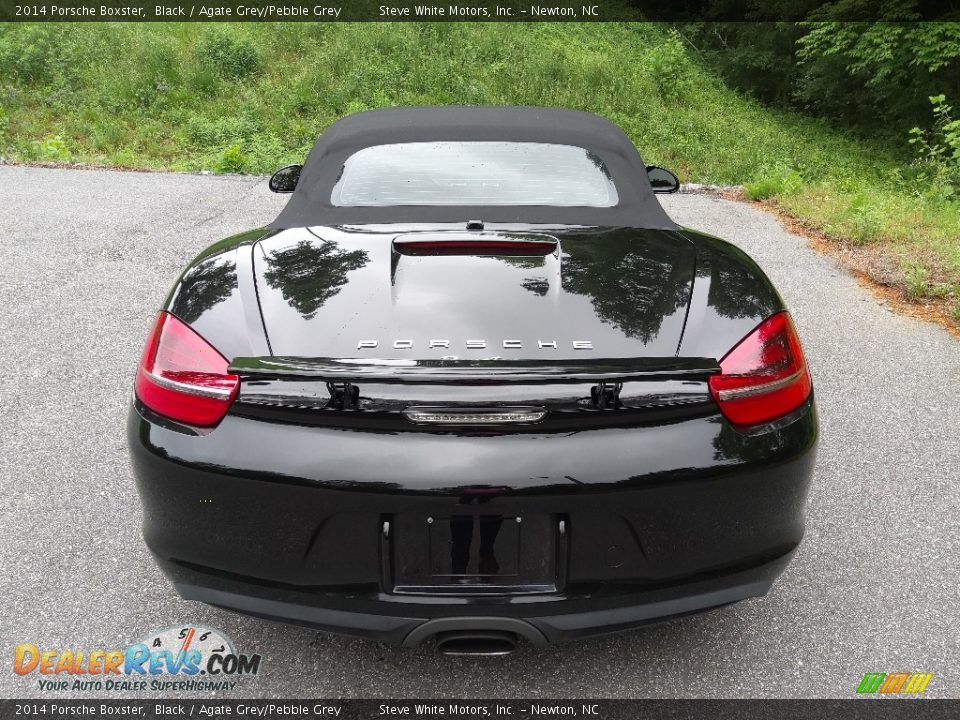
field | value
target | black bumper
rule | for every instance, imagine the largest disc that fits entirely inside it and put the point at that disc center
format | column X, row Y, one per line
column 286, row 522
column 537, row 629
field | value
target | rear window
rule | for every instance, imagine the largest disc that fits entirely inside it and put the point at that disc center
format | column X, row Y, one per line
column 474, row 173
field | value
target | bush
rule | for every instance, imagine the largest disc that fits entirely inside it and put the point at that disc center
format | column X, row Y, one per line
column 52, row 149
column 232, row 159
column 775, row 181
column 670, row 67
column 204, row 80
column 205, row 133
column 915, row 280
column 233, row 56
column 30, row 55
column 938, row 150
column 867, row 223
column 265, row 154
column 870, row 76
column 157, row 71
column 107, row 137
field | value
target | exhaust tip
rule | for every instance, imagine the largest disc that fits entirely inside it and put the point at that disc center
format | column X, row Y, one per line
column 476, row 643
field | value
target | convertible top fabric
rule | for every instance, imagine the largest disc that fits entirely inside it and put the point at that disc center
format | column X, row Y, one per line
column 310, row 204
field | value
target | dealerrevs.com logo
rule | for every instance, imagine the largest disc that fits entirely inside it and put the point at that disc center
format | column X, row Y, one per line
column 178, row 658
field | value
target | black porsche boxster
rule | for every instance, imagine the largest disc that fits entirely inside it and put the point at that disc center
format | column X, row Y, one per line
column 473, row 384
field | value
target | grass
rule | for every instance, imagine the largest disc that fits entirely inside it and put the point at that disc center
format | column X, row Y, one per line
column 249, row 98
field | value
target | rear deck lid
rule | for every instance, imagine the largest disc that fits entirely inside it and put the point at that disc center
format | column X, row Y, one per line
column 611, row 293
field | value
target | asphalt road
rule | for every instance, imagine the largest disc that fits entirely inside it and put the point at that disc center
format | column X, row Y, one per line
column 89, row 255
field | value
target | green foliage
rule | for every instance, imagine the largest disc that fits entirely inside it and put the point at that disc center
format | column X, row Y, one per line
column 867, row 222
column 216, row 131
column 670, row 67
column 915, row 279
column 232, row 159
column 757, row 57
column 775, row 181
column 48, row 56
column 233, row 55
column 871, row 76
column 884, row 53
column 938, row 151
column 918, row 286
column 33, row 57
column 52, row 149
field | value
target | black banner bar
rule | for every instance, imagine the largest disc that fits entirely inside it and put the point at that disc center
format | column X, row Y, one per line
column 580, row 709
column 473, row 10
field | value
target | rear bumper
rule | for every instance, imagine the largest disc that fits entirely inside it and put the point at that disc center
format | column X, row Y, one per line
column 606, row 617
column 283, row 521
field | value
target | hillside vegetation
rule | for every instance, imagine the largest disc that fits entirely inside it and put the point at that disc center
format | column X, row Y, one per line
column 250, row 98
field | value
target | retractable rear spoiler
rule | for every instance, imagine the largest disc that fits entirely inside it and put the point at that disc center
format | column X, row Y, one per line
column 473, row 372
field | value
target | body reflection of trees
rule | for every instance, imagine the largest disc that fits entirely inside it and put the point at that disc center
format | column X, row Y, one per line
column 537, row 285
column 308, row 274
column 633, row 283
column 737, row 290
column 727, row 443
column 203, row 286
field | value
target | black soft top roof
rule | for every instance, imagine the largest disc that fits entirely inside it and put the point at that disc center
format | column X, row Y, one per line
column 310, row 204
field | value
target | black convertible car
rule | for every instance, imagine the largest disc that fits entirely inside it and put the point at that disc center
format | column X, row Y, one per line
column 473, row 384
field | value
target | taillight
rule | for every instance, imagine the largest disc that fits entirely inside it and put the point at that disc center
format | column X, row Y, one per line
column 765, row 376
column 183, row 377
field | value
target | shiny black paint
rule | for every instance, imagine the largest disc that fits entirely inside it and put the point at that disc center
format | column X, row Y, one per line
column 286, row 499
column 324, row 290
column 651, row 510
column 697, row 296
column 575, row 395
column 216, row 295
column 474, row 372
column 731, row 296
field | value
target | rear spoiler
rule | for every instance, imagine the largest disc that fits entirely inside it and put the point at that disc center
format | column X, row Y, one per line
column 473, row 372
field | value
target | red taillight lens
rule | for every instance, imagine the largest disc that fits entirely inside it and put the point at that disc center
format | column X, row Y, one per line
column 765, row 376
column 183, row 377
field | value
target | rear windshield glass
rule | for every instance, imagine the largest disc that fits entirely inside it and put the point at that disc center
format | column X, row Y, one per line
column 474, row 173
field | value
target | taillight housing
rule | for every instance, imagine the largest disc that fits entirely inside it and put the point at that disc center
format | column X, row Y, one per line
column 183, row 377
column 765, row 376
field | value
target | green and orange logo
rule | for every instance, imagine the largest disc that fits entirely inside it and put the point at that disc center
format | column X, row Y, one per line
column 899, row 683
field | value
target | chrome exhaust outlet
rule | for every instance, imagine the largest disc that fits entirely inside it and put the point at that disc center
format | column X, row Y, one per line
column 486, row 643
